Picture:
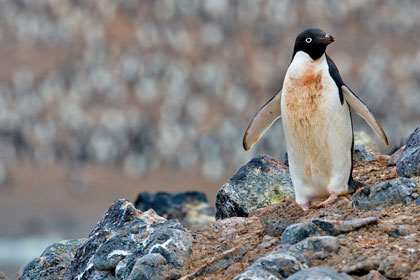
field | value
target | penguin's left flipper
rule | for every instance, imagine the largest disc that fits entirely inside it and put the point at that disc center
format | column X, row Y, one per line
column 363, row 111
column 262, row 121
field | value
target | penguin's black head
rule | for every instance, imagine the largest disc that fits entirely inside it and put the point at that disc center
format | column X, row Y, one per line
column 313, row 41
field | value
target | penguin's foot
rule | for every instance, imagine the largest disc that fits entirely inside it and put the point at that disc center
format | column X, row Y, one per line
column 354, row 186
column 305, row 206
column 332, row 198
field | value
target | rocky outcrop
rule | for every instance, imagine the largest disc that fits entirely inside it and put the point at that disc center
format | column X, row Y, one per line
column 263, row 181
column 190, row 208
column 53, row 262
column 408, row 163
column 130, row 244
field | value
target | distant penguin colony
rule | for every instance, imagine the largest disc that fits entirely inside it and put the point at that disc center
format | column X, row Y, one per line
column 314, row 103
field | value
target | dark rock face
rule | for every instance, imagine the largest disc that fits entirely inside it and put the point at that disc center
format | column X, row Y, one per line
column 263, row 181
column 319, row 273
column 401, row 190
column 126, row 241
column 278, row 264
column 408, row 163
column 53, row 262
column 298, row 232
column 190, row 208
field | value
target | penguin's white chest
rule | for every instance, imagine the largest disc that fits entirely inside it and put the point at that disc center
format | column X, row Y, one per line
column 317, row 128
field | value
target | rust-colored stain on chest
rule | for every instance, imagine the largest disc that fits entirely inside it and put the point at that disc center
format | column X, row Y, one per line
column 303, row 95
column 307, row 120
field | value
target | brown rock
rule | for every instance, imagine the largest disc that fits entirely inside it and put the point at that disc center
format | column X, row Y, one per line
column 394, row 267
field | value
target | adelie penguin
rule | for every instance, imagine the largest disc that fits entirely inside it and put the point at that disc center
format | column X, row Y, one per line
column 314, row 106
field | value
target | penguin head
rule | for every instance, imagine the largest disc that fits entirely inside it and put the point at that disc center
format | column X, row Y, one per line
column 313, row 41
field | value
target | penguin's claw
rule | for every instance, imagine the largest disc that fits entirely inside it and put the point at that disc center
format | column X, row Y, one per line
column 333, row 197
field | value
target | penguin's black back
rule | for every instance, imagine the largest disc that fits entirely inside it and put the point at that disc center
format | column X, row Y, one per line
column 336, row 77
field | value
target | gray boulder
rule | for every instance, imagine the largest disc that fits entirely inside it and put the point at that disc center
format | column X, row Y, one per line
column 401, row 190
column 263, row 181
column 278, row 264
column 150, row 266
column 298, row 232
column 408, row 163
column 319, row 273
column 129, row 244
column 53, row 262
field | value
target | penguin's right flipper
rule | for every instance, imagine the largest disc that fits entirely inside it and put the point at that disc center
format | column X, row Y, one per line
column 363, row 111
column 262, row 121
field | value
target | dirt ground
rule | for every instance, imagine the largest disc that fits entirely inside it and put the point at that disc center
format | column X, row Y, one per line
column 396, row 234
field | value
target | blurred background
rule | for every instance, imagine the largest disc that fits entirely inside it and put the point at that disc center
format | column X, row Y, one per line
column 100, row 100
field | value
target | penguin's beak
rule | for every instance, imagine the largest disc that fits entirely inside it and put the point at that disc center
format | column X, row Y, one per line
column 329, row 39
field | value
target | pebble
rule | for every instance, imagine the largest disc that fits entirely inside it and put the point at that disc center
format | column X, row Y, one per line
column 268, row 242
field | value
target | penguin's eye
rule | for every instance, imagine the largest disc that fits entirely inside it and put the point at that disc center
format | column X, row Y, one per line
column 308, row 40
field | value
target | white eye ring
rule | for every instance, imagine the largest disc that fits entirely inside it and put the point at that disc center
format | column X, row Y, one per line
column 308, row 40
